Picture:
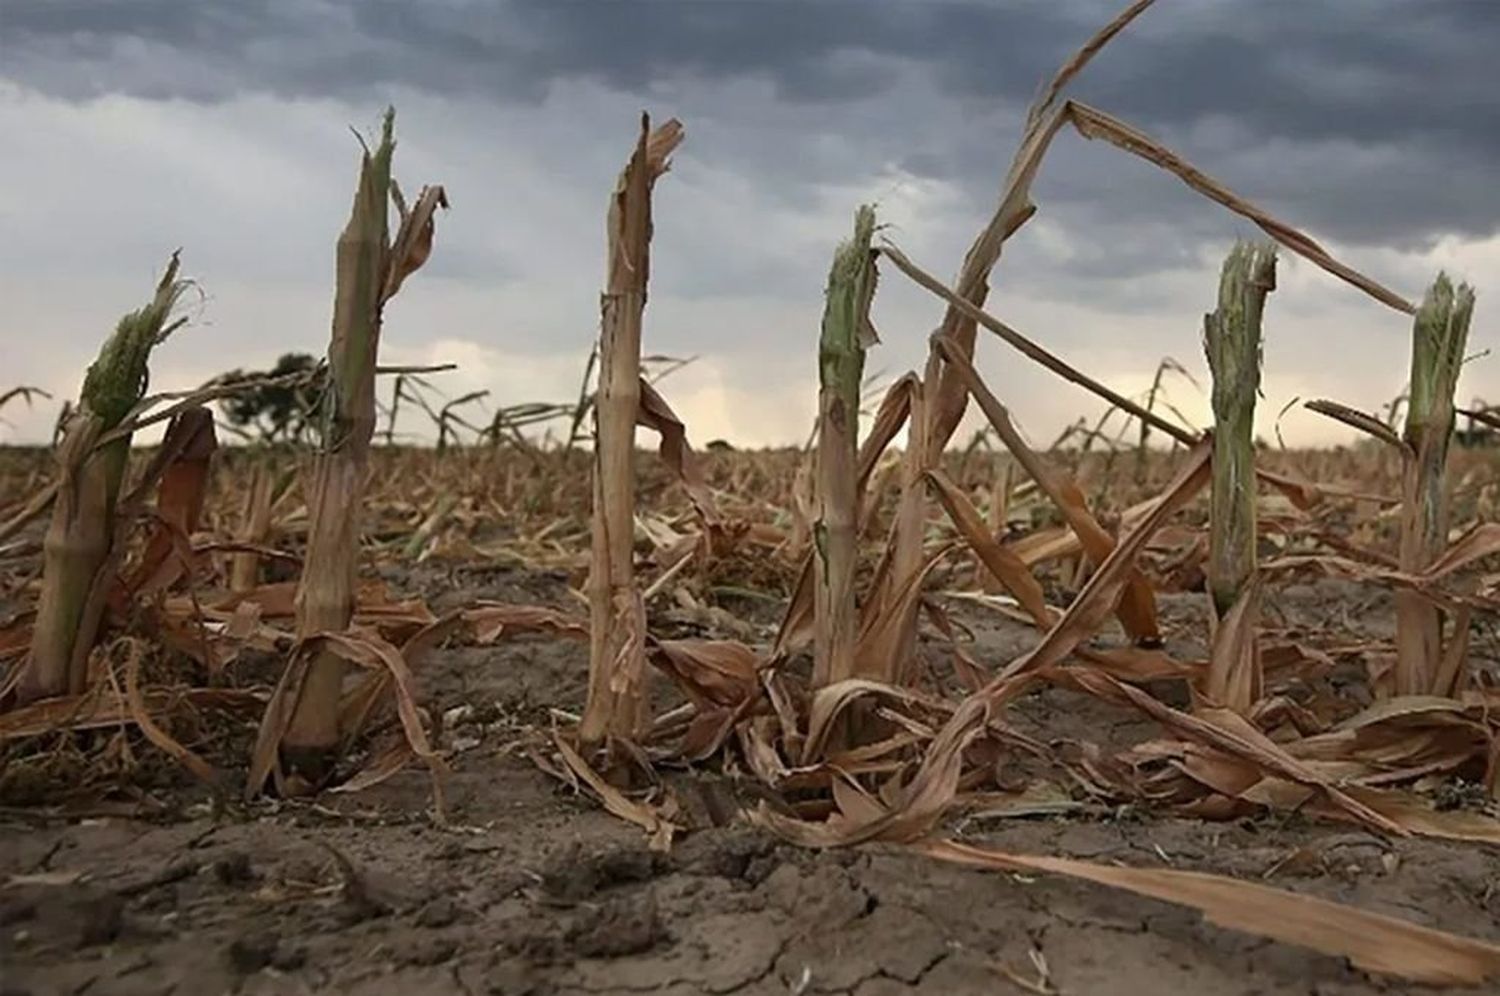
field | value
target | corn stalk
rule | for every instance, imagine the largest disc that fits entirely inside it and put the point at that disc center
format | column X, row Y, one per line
column 1142, row 454
column 90, row 475
column 1232, row 340
column 254, row 527
column 1439, row 334
column 617, row 698
column 846, row 333
column 370, row 270
column 997, row 517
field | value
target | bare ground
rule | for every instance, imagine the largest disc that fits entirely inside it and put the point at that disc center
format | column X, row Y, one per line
column 532, row 889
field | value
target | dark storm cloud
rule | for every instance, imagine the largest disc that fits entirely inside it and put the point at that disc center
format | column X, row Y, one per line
column 513, row 48
column 1365, row 70
column 1301, row 90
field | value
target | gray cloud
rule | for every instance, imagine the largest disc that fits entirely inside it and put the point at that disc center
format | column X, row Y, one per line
column 1371, row 121
column 510, row 48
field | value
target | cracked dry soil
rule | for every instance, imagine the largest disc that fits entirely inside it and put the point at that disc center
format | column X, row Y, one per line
column 532, row 890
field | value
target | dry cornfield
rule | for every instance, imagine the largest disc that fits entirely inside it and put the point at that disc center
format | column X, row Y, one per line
column 518, row 716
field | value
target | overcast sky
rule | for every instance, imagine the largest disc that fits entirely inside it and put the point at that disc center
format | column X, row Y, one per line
column 222, row 126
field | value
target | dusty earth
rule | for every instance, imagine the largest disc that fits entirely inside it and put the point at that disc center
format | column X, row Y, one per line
column 534, row 889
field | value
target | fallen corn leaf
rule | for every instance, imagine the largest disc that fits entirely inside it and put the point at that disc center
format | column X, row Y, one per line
column 1371, row 941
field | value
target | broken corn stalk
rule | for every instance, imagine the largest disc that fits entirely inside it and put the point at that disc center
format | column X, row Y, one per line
column 371, row 269
column 1439, row 334
column 846, row 333
column 325, row 594
column 1232, row 340
column 617, row 703
column 90, row 475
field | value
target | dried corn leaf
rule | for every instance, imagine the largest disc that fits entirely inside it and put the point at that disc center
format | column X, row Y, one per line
column 1046, row 545
column 883, row 628
column 1418, row 816
column 1006, row 567
column 711, row 672
column 968, row 670
column 1097, row 599
column 1137, row 663
column 1426, row 582
column 852, row 802
column 657, row 415
column 413, row 242
column 159, row 737
column 831, row 700
column 1373, row 942
column 1242, row 780
column 657, row 827
column 1302, row 493
column 1230, row 733
column 179, row 501
column 1137, row 607
column 1420, row 734
column 366, row 649
column 1234, row 670
column 1032, row 349
column 921, row 801
column 385, row 763
column 491, row 620
column 1483, row 540
column 1092, row 123
column 359, row 706
column 103, row 708
column 1356, row 419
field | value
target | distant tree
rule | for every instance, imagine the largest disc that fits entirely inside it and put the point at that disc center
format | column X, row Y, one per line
column 277, row 412
column 1484, row 425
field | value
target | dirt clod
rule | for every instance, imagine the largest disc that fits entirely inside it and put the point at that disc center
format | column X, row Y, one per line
column 251, row 953
column 234, row 869
column 571, row 876
column 15, row 911
column 100, row 920
column 441, row 912
column 619, row 927
column 736, row 853
column 429, row 950
column 513, row 977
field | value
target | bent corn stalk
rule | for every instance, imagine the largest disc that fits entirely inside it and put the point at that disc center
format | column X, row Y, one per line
column 82, row 530
column 944, row 392
column 617, row 703
column 947, row 394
